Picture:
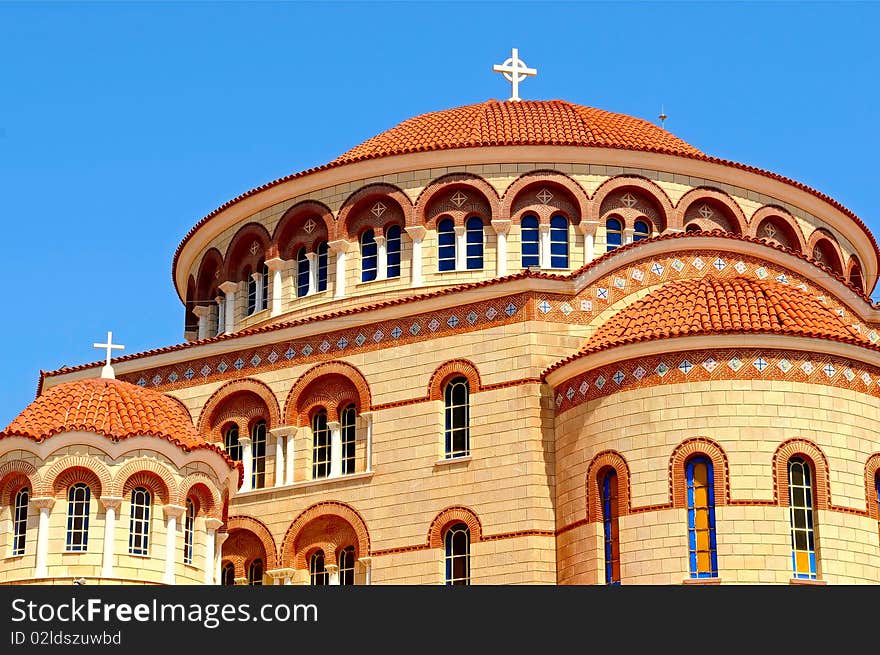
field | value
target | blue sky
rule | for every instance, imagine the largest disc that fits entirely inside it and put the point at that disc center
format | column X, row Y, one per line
column 123, row 124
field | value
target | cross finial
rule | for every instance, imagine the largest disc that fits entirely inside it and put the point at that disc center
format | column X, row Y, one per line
column 662, row 117
column 515, row 71
column 107, row 371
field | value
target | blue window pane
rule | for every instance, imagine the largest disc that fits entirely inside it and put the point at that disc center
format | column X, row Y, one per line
column 322, row 265
column 529, row 238
column 474, row 240
column 302, row 273
column 641, row 231
column 393, row 250
column 446, row 245
column 368, row 256
column 558, row 242
column 613, row 234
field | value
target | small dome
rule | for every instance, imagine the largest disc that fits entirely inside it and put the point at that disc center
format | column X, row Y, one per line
column 527, row 122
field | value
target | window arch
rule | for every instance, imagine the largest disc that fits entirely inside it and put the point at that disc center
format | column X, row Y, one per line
column 255, row 573
column 189, row 520
column 392, row 250
column 347, row 427
column 346, row 566
column 457, row 424
column 642, row 230
column 258, row 455
column 803, row 536
column 139, row 526
column 79, row 498
column 230, row 441
column 529, row 239
column 302, row 273
column 446, row 245
column 228, row 575
column 19, row 520
column 317, row 571
column 611, row 529
column 692, row 227
column 613, row 234
column 323, row 258
column 458, row 555
column 702, row 553
column 320, row 445
column 558, row 242
column 369, row 255
column 474, row 237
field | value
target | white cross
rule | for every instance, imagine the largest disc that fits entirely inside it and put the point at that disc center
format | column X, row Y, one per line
column 107, row 371
column 515, row 71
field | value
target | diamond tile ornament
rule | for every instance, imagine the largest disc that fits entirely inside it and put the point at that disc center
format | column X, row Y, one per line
column 255, row 247
column 761, row 272
column 802, row 286
column 719, row 264
column 510, row 310
column 857, row 328
column 558, row 399
column 602, row 293
column 639, row 373
column 662, row 369
column 206, row 370
column 760, row 364
column 628, row 199
column 472, row 317
column 570, row 393
column 866, row 378
column 583, row 388
column 325, row 346
column 378, row 209
column 189, row 374
column 638, row 275
column 706, row 212
column 600, row 382
column 544, row 306
column 491, row 313
column 784, row 365
column 173, row 377
column 378, row 335
column 821, row 299
column 872, row 336
column 308, row 350
column 807, row 367
column 619, row 283
column 273, row 357
column 829, row 370
column 360, row 339
column 586, row 305
column 255, row 360
column 433, row 325
column 566, row 309
column 685, row 367
column 619, row 376
column 342, row 343
column 839, row 311
column 289, row 354
column 740, row 267
column 452, row 321
column 142, row 382
column 698, row 264
column 544, row 196
column 678, row 265
column 222, row 366
column 238, row 364
column 310, row 226
column 157, row 380
column 396, row 332
column 414, row 329
column 848, row 374
column 458, row 199
column 710, row 364
column 657, row 269
column 735, row 364
column 782, row 279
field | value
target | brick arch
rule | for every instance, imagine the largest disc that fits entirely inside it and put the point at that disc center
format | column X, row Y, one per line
column 446, row 371
column 855, row 274
column 260, row 532
column 602, row 462
column 710, row 194
column 447, row 183
column 872, row 468
column 829, row 247
column 293, row 403
column 210, row 274
column 205, row 489
column 815, row 457
column 513, row 193
column 449, row 516
column 783, row 218
column 285, row 239
column 360, row 198
column 13, row 476
column 680, row 456
column 147, row 473
column 238, row 255
column 289, row 555
column 210, row 417
column 241, row 548
column 637, row 182
column 67, row 469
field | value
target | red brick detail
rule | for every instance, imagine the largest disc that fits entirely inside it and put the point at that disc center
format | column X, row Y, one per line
column 239, row 256
column 236, row 401
column 448, row 517
column 719, row 201
column 854, row 273
column 643, row 187
column 256, row 541
column 482, row 200
column 818, row 463
column 73, row 469
column 355, row 216
column 824, row 251
column 241, row 548
column 608, row 459
column 872, row 470
column 13, row 476
column 568, row 198
column 209, row 277
column 143, row 472
column 204, row 490
column 344, row 383
column 680, row 456
column 789, row 234
column 289, row 234
column 448, row 370
column 325, row 525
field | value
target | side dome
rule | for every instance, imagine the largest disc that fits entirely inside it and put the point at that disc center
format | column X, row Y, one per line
column 528, row 122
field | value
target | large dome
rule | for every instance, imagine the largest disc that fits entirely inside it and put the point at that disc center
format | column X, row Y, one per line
column 527, row 122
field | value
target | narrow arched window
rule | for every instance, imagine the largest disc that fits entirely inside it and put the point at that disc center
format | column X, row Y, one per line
column 559, row 242
column 641, row 230
column 221, row 313
column 258, row 450
column 302, row 273
column 458, row 555
column 320, row 445
column 189, row 521
column 255, row 573
column 19, row 520
column 530, row 243
column 79, row 498
column 457, row 428
column 139, row 527
column 803, row 537
column 251, row 292
column 474, row 243
column 446, row 245
column 228, row 576
column 368, row 256
column 230, row 441
column 347, row 426
column 613, row 234
column 323, row 257
column 264, row 281
column 346, row 566
column 610, row 516
column 317, row 571
column 702, row 555
column 392, row 251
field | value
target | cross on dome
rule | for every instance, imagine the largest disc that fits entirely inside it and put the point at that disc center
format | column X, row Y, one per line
column 107, row 370
column 515, row 71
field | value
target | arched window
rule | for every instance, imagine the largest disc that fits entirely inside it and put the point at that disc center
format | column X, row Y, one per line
column 347, row 426
column 258, row 450
column 19, row 520
column 613, row 234
column 320, row 445
column 139, row 527
column 221, row 312
column 446, row 245
column 392, row 244
column 803, row 537
column 692, row 227
column 189, row 520
column 302, row 273
column 558, row 242
column 474, row 241
column 79, row 498
column 264, row 282
column 458, row 555
column 642, row 230
column 456, row 397
column 368, row 256
column 255, row 573
column 251, row 292
column 877, row 486
column 317, row 571
column 346, row 566
column 610, row 515
column 230, row 441
column 702, row 555
column 530, row 241
column 228, row 576
column 323, row 255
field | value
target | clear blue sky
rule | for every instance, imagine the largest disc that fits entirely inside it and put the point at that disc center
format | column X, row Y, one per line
column 123, row 124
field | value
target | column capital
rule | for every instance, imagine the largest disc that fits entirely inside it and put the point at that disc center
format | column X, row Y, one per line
column 588, row 227
column 339, row 245
column 173, row 511
column 111, row 502
column 241, row 582
column 244, row 442
column 332, row 568
column 228, row 287
column 283, row 431
column 219, row 539
column 334, row 425
column 459, row 230
column 365, row 561
column 311, row 256
column 43, row 502
column 275, row 264
column 501, row 226
column 213, row 524
column 257, row 276
column 368, row 414
column 202, row 311
column 544, row 227
column 280, row 574
column 416, row 232
column 381, row 240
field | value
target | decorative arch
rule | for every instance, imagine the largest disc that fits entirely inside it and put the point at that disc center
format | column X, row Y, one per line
column 212, row 412
column 601, row 463
column 13, row 476
column 296, row 397
column 190, row 320
column 144, row 472
column 238, row 254
column 260, row 532
column 449, row 516
column 208, row 278
column 810, row 452
column 787, row 231
column 824, row 249
column 716, row 199
column 240, row 549
column 286, row 239
column 487, row 205
column 512, row 203
column 685, row 451
column 76, row 468
column 204, row 489
column 636, row 182
column 854, row 273
column 446, row 371
column 338, row 510
column 349, row 222
column 872, row 467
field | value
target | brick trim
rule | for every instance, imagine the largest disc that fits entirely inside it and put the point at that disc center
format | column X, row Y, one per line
column 449, row 516
column 608, row 459
column 446, row 371
column 305, row 209
column 692, row 448
column 76, row 468
column 145, row 473
column 550, row 178
column 234, row 261
column 872, row 470
column 295, row 413
column 643, row 184
column 210, row 419
column 374, row 191
column 821, row 234
column 291, row 559
column 818, row 463
column 13, row 476
column 702, row 193
column 775, row 211
column 260, row 532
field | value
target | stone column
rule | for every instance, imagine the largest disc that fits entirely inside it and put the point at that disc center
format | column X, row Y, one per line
column 366, row 564
column 111, row 508
column 229, row 288
column 288, row 462
column 258, row 281
column 368, row 419
column 203, row 312
column 588, row 229
column 417, row 234
column 460, row 248
column 276, row 266
column 312, row 258
column 381, row 257
column 211, row 527
column 280, row 435
column 280, row 576
column 333, row 572
column 219, row 538
column 172, row 513
column 628, row 233
column 502, row 228
column 44, row 504
column 339, row 248
column 544, row 245
column 220, row 328
column 335, row 428
column 247, row 461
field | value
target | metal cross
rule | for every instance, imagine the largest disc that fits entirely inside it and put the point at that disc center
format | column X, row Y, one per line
column 107, row 371
column 515, row 71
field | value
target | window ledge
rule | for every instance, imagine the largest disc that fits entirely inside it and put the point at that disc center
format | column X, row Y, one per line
column 362, row 475
column 296, row 298
column 364, row 283
column 448, row 461
column 807, row 582
column 701, row 581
